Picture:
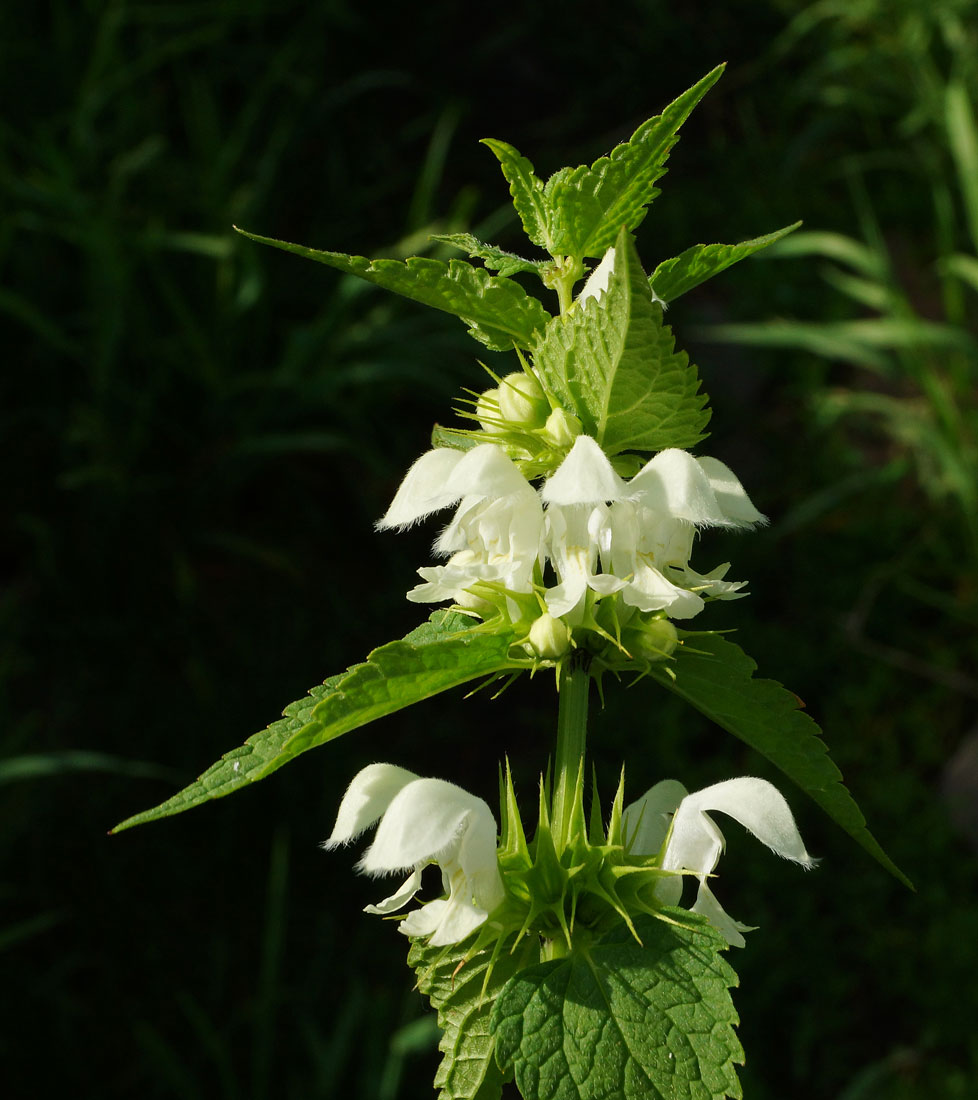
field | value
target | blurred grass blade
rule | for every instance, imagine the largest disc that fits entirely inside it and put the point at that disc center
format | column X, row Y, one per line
column 832, row 246
column 963, row 267
column 41, row 765
column 962, row 134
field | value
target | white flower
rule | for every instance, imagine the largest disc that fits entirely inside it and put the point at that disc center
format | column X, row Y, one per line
column 425, row 821
column 668, row 820
column 642, row 530
column 496, row 532
column 599, row 533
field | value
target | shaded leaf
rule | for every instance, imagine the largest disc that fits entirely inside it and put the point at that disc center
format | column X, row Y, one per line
column 587, row 206
column 526, row 190
column 720, row 683
column 619, row 1020
column 440, row 654
column 496, row 259
column 674, row 277
column 498, row 311
column 463, row 992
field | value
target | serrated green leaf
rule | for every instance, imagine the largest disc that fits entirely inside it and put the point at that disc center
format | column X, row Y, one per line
column 440, row 654
column 496, row 259
column 587, row 206
column 620, row 1020
column 464, row 999
column 613, row 362
column 498, row 311
column 527, row 192
column 674, row 277
column 719, row 681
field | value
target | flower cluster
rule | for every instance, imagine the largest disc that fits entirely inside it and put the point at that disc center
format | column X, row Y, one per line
column 425, row 821
column 585, row 535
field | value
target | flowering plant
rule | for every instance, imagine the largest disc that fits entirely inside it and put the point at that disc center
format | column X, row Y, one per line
column 563, row 957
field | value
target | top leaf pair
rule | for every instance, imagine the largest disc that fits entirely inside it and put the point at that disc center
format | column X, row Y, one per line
column 575, row 216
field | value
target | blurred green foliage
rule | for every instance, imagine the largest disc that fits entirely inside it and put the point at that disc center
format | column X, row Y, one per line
column 188, row 508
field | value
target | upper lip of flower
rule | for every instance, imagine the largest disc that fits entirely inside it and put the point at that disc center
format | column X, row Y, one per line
column 692, row 842
column 425, row 821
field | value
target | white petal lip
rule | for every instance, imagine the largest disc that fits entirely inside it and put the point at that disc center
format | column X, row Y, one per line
column 730, row 494
column 367, row 798
column 423, row 489
column 584, row 477
column 758, row 805
column 597, row 282
column 424, row 820
column 693, row 843
column 704, row 491
column 441, row 477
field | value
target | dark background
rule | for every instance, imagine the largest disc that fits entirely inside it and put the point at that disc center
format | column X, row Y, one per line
column 199, row 434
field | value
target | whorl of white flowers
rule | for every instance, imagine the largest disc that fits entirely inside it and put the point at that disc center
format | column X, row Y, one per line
column 596, row 532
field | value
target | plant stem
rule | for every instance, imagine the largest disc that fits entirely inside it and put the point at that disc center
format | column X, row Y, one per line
column 572, row 700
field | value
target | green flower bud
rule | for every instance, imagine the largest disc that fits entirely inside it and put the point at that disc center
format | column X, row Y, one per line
column 522, row 401
column 562, row 428
column 549, row 638
column 650, row 639
column 488, row 413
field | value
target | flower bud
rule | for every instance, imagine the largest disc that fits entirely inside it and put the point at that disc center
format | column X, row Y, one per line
column 562, row 428
column 651, row 639
column 521, row 400
column 549, row 638
column 488, row 413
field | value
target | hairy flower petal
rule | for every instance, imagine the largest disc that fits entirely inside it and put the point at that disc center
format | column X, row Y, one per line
column 367, row 797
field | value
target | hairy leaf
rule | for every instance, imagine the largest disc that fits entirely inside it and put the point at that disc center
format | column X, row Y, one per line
column 463, row 992
column 526, row 190
column 619, row 1020
column 613, row 362
column 719, row 682
column 587, row 206
column 498, row 311
column 440, row 654
column 674, row 277
column 496, row 259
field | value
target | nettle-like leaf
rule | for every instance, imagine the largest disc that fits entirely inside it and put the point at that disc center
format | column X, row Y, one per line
column 498, row 311
column 719, row 681
column 440, row 654
column 613, row 362
column 464, row 991
column 587, row 206
column 674, row 277
column 619, row 1020
column 496, row 259
column 527, row 192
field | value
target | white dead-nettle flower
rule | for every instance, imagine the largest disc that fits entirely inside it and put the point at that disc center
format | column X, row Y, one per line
column 669, row 820
column 425, row 821
column 599, row 532
column 642, row 530
column 496, row 533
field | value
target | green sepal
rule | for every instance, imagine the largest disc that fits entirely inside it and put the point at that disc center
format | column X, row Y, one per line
column 586, row 206
column 462, row 983
column 459, row 439
column 498, row 311
column 613, row 362
column 440, row 654
column 672, row 278
column 496, row 259
column 717, row 678
column 526, row 190
column 619, row 1018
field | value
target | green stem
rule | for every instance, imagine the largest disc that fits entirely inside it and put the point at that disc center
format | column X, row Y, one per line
column 572, row 700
